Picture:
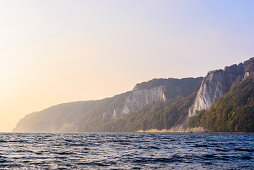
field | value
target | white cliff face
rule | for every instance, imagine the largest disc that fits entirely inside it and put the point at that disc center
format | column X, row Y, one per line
column 139, row 98
column 217, row 83
column 246, row 74
column 114, row 116
column 212, row 88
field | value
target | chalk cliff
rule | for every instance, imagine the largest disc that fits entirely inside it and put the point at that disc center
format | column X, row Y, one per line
column 158, row 103
column 217, row 83
column 91, row 115
column 139, row 98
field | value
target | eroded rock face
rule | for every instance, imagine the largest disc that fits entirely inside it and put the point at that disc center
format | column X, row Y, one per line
column 90, row 115
column 139, row 98
column 212, row 88
column 215, row 85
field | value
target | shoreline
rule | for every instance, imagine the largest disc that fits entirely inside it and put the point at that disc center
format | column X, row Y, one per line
column 139, row 131
column 191, row 130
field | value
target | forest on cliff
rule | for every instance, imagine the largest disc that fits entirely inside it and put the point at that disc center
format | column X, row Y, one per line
column 234, row 112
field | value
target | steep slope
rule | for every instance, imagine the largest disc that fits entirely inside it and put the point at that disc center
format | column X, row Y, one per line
column 164, row 115
column 91, row 115
column 67, row 117
column 234, row 112
column 142, row 97
column 217, row 83
column 158, row 103
column 159, row 90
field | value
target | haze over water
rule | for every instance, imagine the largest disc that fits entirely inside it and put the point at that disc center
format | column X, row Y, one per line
column 60, row 51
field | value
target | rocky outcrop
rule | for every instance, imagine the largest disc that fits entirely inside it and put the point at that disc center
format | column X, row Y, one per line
column 87, row 116
column 91, row 115
column 212, row 88
column 157, row 90
column 217, row 83
column 139, row 98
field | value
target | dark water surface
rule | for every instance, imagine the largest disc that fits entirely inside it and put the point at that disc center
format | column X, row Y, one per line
column 126, row 151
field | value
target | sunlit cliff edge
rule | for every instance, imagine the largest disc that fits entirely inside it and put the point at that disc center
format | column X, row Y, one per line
column 159, row 105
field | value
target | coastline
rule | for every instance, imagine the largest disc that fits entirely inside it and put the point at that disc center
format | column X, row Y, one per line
column 190, row 130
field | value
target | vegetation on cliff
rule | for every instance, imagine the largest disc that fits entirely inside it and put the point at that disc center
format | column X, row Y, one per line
column 234, row 112
column 164, row 115
column 107, row 114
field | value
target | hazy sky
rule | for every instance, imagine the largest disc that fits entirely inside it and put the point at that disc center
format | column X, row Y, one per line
column 54, row 51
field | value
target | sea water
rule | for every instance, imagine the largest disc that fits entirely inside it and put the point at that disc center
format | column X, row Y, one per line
column 126, row 151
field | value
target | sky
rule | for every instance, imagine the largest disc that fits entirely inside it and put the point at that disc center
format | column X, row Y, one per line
column 57, row 51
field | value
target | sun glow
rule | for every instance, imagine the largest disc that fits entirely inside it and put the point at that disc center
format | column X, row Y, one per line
column 61, row 51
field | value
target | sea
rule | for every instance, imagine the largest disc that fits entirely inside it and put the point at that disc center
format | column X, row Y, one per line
column 126, row 151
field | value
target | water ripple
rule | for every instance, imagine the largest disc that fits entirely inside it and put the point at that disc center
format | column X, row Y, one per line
column 126, row 151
